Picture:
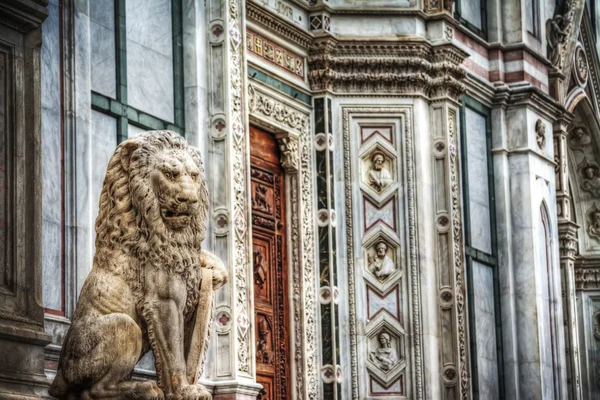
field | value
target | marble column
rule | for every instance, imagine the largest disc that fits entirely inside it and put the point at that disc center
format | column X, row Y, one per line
column 567, row 236
column 22, row 336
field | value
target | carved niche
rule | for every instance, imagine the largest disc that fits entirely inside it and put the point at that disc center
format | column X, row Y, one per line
column 593, row 223
column 378, row 170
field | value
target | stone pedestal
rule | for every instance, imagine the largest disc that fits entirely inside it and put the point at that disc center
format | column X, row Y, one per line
column 22, row 336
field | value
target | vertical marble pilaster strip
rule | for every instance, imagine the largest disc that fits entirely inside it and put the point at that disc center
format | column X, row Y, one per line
column 239, row 157
column 567, row 236
column 328, row 291
column 451, row 276
column 121, row 56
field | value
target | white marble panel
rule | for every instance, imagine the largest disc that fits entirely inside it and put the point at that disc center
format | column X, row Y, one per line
column 150, row 81
column 51, row 167
column 102, row 47
column 485, row 331
column 133, row 130
column 478, row 189
column 104, row 142
column 149, row 24
column 470, row 10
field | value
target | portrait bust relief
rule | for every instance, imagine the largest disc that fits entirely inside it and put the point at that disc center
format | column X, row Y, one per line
column 378, row 175
column 384, row 356
column 379, row 262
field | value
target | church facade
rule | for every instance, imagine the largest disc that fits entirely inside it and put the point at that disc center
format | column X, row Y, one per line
column 406, row 193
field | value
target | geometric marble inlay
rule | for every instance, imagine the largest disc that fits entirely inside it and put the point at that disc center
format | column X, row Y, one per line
column 389, row 302
column 394, row 388
column 385, row 214
column 366, row 132
column 274, row 54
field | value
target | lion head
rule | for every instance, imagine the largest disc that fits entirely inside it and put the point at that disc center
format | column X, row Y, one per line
column 154, row 203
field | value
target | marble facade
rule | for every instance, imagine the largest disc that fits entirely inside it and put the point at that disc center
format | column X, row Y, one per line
column 483, row 118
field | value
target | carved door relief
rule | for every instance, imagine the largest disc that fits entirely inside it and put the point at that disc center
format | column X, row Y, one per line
column 269, row 266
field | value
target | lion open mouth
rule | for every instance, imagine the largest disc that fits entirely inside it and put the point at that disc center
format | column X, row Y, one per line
column 175, row 219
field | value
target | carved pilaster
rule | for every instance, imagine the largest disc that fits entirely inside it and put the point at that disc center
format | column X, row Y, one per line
column 22, row 335
column 567, row 236
column 563, row 198
column 288, row 153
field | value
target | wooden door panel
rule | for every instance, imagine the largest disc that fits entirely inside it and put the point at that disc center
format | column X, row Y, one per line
column 269, row 266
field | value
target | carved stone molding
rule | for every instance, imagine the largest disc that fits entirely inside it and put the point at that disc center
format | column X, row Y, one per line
column 409, row 67
column 275, row 24
column 281, row 115
column 23, row 15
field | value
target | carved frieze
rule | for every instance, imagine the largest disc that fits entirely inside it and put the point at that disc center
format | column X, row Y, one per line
column 275, row 54
column 409, row 68
column 276, row 112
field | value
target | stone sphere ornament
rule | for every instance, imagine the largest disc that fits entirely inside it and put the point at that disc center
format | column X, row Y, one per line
column 151, row 285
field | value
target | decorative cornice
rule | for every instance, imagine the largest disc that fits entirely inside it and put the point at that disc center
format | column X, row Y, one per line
column 272, row 22
column 281, row 116
column 386, row 66
column 530, row 96
column 587, row 273
column 23, row 15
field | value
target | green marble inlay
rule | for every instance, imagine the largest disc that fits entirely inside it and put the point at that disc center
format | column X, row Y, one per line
column 277, row 84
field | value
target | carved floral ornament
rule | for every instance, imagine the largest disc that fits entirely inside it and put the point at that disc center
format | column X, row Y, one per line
column 276, row 111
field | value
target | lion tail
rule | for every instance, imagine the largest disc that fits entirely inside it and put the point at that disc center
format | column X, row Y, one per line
column 60, row 387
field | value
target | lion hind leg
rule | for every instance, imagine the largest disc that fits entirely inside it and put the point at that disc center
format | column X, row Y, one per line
column 111, row 360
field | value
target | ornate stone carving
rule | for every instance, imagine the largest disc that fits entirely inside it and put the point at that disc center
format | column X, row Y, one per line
column 596, row 321
column 411, row 68
column 579, row 139
column 558, row 30
column 580, row 69
column 590, row 177
column 379, row 175
column 380, row 263
column 289, row 156
column 153, row 286
column 412, row 257
column 593, row 223
column 276, row 111
column 540, row 134
column 384, row 356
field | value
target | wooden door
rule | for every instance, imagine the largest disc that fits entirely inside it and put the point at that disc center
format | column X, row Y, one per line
column 270, row 267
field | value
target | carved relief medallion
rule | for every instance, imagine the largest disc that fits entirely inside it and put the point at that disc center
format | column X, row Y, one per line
column 580, row 69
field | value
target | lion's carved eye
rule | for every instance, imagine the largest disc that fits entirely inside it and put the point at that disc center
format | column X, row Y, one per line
column 168, row 175
column 194, row 176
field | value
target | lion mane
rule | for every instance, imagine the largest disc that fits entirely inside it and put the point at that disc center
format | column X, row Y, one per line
column 129, row 222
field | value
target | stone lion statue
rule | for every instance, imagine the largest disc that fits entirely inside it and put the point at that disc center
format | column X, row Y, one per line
column 151, row 286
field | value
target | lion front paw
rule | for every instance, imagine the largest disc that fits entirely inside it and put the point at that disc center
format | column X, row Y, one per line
column 191, row 392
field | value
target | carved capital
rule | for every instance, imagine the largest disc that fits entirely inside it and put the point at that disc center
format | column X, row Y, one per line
column 289, row 156
column 567, row 235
